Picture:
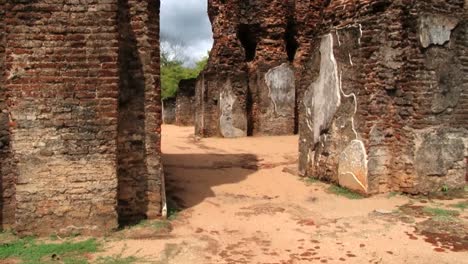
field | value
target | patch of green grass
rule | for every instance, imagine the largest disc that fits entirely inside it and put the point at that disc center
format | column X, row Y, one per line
column 172, row 210
column 461, row 205
column 338, row 190
column 393, row 194
column 445, row 189
column 30, row 251
column 117, row 259
column 441, row 214
column 310, row 180
column 160, row 224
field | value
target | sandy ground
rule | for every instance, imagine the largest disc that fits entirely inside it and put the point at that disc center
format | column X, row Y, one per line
column 240, row 207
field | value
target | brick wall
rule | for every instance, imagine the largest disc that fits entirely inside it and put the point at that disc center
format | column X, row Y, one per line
column 248, row 86
column 7, row 164
column 226, row 73
column 139, row 168
column 185, row 103
column 70, row 97
column 396, row 108
column 62, row 80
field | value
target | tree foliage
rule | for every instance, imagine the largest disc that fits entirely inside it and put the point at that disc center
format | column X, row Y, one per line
column 173, row 69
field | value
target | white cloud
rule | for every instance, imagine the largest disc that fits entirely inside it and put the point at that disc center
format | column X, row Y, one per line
column 186, row 22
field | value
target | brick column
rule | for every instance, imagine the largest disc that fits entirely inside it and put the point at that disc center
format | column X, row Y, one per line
column 139, row 167
column 62, row 83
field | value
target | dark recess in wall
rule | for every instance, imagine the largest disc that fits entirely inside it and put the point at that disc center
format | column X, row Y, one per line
column 290, row 39
column 246, row 35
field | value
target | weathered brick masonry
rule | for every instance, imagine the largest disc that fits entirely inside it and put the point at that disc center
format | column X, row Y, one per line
column 140, row 116
column 7, row 162
column 384, row 91
column 185, row 103
column 248, row 86
column 377, row 88
column 82, row 85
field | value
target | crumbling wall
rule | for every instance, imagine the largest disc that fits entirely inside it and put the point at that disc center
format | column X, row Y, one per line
column 248, row 86
column 381, row 95
column 69, row 100
column 185, row 103
column 222, row 88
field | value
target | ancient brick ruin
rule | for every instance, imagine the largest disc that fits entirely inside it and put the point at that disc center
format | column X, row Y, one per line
column 80, row 122
column 168, row 110
column 384, row 95
column 377, row 90
column 185, row 103
column 248, row 86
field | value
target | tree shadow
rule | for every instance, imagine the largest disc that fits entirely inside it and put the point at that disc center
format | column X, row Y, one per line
column 190, row 178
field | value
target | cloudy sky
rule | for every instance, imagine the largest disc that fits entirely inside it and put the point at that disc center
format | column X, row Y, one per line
column 186, row 22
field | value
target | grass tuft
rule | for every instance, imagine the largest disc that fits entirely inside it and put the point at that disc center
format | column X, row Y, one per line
column 310, row 180
column 30, row 251
column 441, row 214
column 393, row 194
column 461, row 205
column 173, row 210
column 338, row 190
column 117, row 259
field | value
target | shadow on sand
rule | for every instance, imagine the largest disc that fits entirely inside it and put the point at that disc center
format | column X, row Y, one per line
column 190, row 178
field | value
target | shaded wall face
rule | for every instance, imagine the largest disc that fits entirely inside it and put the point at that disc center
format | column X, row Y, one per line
column 7, row 165
column 185, row 103
column 169, row 109
column 70, row 99
column 138, row 157
column 380, row 112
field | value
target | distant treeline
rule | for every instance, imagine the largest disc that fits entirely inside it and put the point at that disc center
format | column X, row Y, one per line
column 173, row 70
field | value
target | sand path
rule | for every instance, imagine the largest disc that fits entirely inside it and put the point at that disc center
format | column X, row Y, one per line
column 240, row 207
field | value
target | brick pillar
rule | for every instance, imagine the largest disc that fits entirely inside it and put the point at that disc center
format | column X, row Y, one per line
column 62, row 81
column 139, row 167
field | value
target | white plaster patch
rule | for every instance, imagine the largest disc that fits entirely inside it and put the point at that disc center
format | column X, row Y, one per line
column 352, row 168
column 281, row 85
column 323, row 98
column 353, row 95
column 435, row 29
column 226, row 120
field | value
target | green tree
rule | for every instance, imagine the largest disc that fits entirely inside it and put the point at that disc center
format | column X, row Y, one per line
column 173, row 71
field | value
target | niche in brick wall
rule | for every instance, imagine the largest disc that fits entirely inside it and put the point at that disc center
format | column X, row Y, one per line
column 247, row 36
column 290, row 40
